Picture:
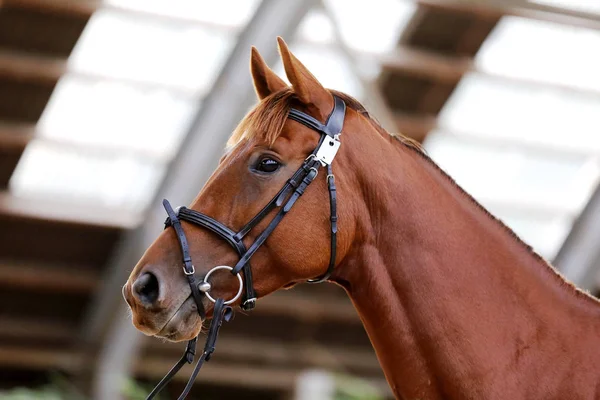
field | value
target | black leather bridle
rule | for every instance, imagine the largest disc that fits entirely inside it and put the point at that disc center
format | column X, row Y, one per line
column 323, row 155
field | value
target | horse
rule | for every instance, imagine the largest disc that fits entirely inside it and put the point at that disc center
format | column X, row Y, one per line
column 456, row 306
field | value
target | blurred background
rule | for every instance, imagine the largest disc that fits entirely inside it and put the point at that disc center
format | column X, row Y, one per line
column 108, row 106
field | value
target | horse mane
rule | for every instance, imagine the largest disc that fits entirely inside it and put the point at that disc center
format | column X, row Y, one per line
column 267, row 119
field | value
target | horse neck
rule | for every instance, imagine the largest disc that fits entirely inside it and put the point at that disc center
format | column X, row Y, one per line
column 448, row 295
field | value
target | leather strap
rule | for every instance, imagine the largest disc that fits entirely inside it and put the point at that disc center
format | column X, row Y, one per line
column 188, row 267
column 221, row 313
column 335, row 121
column 310, row 170
column 333, row 223
column 249, row 299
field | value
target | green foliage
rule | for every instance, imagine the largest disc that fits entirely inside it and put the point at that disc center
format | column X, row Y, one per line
column 61, row 389
column 352, row 388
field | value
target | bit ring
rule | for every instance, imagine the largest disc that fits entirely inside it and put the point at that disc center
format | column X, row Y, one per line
column 228, row 268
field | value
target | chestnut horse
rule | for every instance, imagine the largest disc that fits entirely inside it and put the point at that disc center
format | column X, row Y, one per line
column 455, row 304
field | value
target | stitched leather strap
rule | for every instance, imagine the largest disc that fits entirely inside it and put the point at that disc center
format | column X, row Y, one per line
column 188, row 267
column 333, row 218
column 221, row 313
column 185, row 214
column 335, row 121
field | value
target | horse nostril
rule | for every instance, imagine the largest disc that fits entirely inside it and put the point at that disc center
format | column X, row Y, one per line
column 145, row 288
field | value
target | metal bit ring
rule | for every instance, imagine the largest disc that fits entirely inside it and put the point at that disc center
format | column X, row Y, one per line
column 228, row 268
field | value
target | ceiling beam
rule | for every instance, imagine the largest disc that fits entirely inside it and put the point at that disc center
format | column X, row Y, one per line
column 32, row 68
column 234, row 374
column 305, row 353
column 28, row 328
column 307, row 308
column 222, row 109
column 451, row 69
column 41, row 358
column 48, row 278
column 79, row 8
column 74, row 213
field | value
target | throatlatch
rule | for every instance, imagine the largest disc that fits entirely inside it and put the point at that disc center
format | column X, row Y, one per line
column 284, row 200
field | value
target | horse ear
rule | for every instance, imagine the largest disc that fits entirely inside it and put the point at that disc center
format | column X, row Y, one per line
column 265, row 80
column 308, row 89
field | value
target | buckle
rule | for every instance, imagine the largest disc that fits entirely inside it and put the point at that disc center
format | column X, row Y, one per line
column 249, row 304
column 193, row 271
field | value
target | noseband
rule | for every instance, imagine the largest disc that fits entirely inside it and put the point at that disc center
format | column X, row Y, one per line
column 322, row 156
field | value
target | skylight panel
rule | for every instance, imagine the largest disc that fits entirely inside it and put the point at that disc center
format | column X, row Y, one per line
column 592, row 6
column 545, row 236
column 537, row 197
column 372, row 26
column 116, row 116
column 112, row 180
column 234, row 13
column 329, row 65
column 316, row 27
column 492, row 175
column 121, row 45
column 543, row 51
column 497, row 109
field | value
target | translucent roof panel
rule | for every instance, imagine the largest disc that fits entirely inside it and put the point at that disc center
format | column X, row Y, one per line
column 543, row 51
column 515, row 176
column 316, row 27
column 329, row 65
column 498, row 109
column 545, row 236
column 116, row 116
column 128, row 46
column 373, row 26
column 592, row 6
column 535, row 196
column 112, row 180
column 234, row 13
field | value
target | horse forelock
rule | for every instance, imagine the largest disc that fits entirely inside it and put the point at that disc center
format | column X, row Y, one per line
column 265, row 121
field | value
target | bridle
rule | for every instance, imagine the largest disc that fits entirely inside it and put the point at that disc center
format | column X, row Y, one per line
column 322, row 156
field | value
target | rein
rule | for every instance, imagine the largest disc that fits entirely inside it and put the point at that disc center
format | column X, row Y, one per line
column 322, row 156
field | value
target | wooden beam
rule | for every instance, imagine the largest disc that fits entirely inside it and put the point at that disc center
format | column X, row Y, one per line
column 48, row 278
column 309, row 309
column 233, row 374
column 36, row 329
column 306, row 354
column 37, row 208
column 86, row 8
column 427, row 64
column 15, row 136
column 220, row 373
column 42, row 358
column 31, row 68
column 415, row 126
column 78, row 8
column 450, row 70
column 48, row 70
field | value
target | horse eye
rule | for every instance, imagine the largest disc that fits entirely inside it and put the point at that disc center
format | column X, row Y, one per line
column 267, row 165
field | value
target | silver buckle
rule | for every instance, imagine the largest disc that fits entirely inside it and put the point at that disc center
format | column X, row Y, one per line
column 328, row 150
column 189, row 273
column 250, row 301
